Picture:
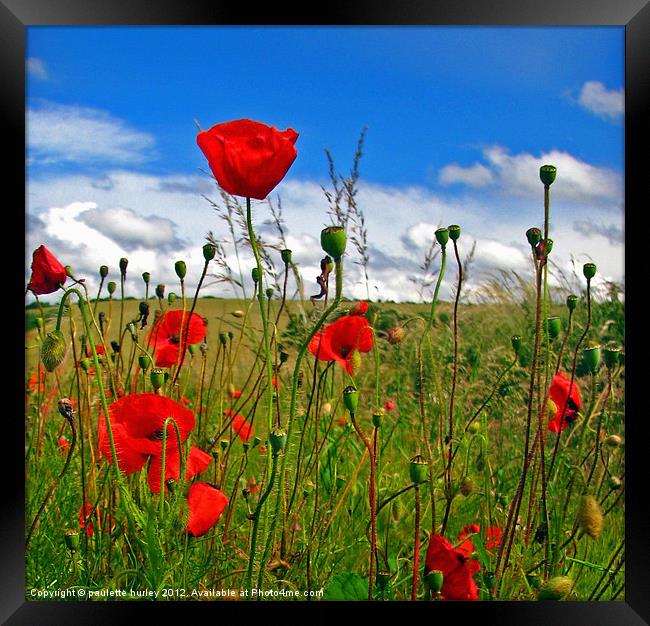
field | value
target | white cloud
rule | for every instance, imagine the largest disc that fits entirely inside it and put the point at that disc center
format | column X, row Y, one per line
column 36, row 68
column 475, row 176
column 605, row 103
column 67, row 133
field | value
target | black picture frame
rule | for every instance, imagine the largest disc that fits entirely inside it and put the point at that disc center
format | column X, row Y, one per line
column 634, row 15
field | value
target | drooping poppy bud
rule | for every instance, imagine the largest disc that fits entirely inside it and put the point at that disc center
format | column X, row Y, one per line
column 396, row 335
column 547, row 174
column 53, row 350
column 333, row 241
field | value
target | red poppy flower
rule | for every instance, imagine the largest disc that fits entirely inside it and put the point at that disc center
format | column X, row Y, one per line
column 359, row 308
column 167, row 335
column 248, row 158
column 242, row 428
column 197, row 462
column 137, row 421
column 492, row 538
column 562, row 397
column 88, row 513
column 457, row 570
column 341, row 339
column 390, row 405
column 236, row 394
column 64, row 444
column 206, row 504
column 252, row 485
column 185, row 401
column 34, row 379
column 341, row 421
column 99, row 348
column 47, row 272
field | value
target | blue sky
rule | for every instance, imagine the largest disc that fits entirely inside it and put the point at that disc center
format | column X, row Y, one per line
column 457, row 119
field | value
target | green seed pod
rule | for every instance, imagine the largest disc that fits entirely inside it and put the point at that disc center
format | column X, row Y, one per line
column 590, row 517
column 130, row 327
column 53, row 350
column 255, row 273
column 534, row 236
column 223, row 338
column 103, row 271
column 160, row 291
column 435, row 579
column 454, row 232
column 466, row 486
column 286, row 256
column 613, row 441
column 269, row 293
column 123, row 263
column 146, row 277
column 143, row 362
column 554, row 327
column 171, row 297
column 111, row 287
column 612, row 356
column 157, row 378
column 351, row 398
column 71, row 538
column 442, row 236
column 231, row 335
column 614, row 482
column 589, row 270
column 591, row 358
column 383, row 577
column 572, row 302
column 192, row 348
column 556, row 588
column 209, row 251
column 418, row 469
column 547, row 174
column 181, row 269
column 278, row 440
column 515, row 340
column 333, row 241
column 377, row 417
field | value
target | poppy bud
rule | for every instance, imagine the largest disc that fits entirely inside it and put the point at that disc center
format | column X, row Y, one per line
column 355, row 362
column 103, row 271
column 160, row 291
column 146, row 277
column 171, row 297
column 351, row 398
column 589, row 270
column 551, row 409
column 286, row 256
column 377, row 417
column 53, row 350
column 442, row 236
column 591, row 358
column 396, row 335
column 473, row 428
column 466, row 486
column 123, row 263
column 143, row 362
column 39, row 323
column 131, row 328
column 547, row 174
column 571, row 302
column 269, row 293
column 278, row 440
column 613, row 441
column 68, row 271
column 383, row 576
column 192, row 348
column 553, row 326
column 209, row 251
column 590, row 517
column 454, row 232
column 255, row 275
column 556, row 588
column 238, row 313
column 533, row 235
column 612, row 356
column 435, row 579
column 71, row 538
column 66, row 408
column 418, row 469
column 84, row 364
column 111, row 287
column 543, row 249
column 157, row 378
column 181, row 269
column 614, row 482
column 515, row 340
column 333, row 241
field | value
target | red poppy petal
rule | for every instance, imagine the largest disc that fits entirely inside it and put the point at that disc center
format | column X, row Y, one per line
column 242, row 428
column 206, row 504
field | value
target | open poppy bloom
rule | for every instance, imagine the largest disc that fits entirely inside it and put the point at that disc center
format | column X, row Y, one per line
column 248, row 158
column 137, row 421
column 167, row 335
column 341, row 340
column 34, row 379
column 64, row 445
column 206, row 504
column 492, row 538
column 457, row 569
column 562, row 398
column 197, row 461
column 240, row 426
column 359, row 308
column 47, row 272
column 252, row 485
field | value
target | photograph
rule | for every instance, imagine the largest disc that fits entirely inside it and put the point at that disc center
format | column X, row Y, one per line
column 325, row 313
